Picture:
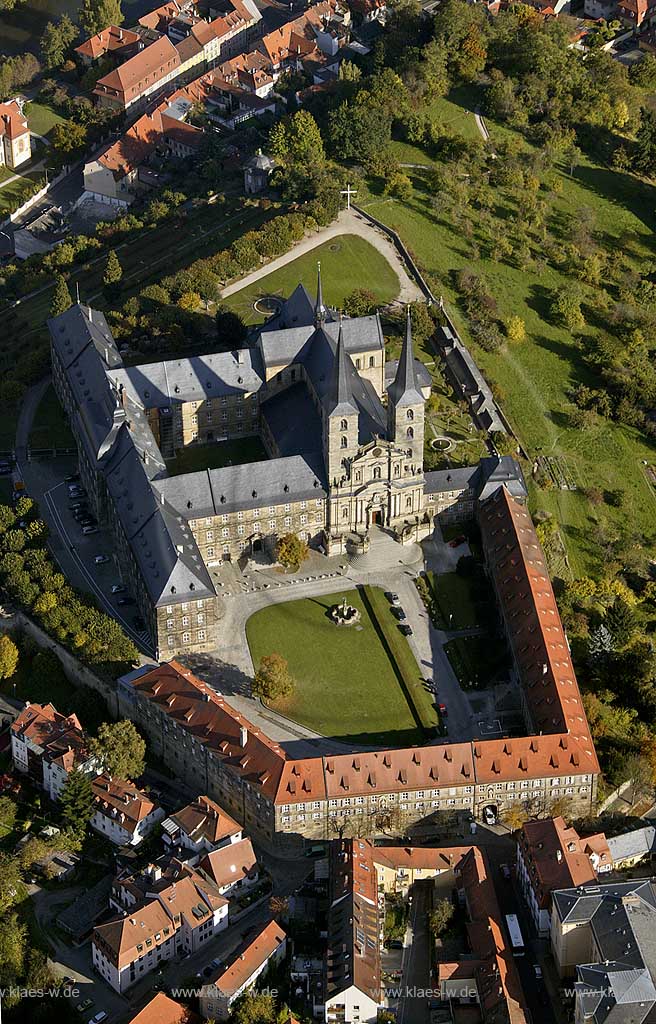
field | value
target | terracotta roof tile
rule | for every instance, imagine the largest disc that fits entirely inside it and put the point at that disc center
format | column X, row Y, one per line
column 263, row 946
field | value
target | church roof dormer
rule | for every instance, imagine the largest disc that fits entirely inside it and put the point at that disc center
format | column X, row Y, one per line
column 404, row 389
column 339, row 399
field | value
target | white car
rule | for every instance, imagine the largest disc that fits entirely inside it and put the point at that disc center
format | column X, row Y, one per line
column 99, row 1017
column 537, row 970
column 88, row 530
column 490, row 816
column 118, row 588
column 101, row 559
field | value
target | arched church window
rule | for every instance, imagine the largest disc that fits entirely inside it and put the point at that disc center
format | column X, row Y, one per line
column 408, row 502
column 372, row 361
column 344, row 442
column 410, row 433
column 410, row 415
column 358, row 476
column 344, row 513
column 397, row 470
column 344, row 425
column 376, row 472
column 357, row 364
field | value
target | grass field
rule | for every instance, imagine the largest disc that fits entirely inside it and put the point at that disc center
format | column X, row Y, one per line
column 42, row 118
column 455, row 599
column 49, row 428
column 213, row 456
column 347, row 262
column 346, row 684
column 535, row 378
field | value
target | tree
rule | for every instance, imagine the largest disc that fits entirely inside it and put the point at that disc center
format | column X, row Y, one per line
column 13, row 947
column 644, row 158
column 68, row 137
column 120, row 749
column 255, row 1008
column 638, row 771
column 61, row 297
column 566, row 308
column 515, row 329
column 513, row 816
column 600, row 643
column 8, row 657
column 273, row 680
column 423, row 325
column 360, row 302
column 113, row 274
column 440, row 917
column 291, row 551
column 95, row 15
column 76, row 801
column 8, row 810
column 56, row 41
column 620, row 621
column 11, row 882
column 297, row 140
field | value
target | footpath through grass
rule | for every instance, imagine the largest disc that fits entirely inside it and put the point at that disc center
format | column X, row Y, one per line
column 535, row 378
column 347, row 685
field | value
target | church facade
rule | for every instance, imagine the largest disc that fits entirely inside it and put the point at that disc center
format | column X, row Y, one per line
column 343, row 429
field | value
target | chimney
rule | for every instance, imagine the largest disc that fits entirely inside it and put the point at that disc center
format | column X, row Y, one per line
column 120, row 35
column 240, row 356
column 545, row 669
column 243, row 735
column 559, row 856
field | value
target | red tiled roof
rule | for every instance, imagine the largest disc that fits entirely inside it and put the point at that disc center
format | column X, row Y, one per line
column 204, row 819
column 557, row 858
column 162, row 1010
column 230, row 864
column 145, row 68
column 60, row 737
column 108, row 40
column 131, row 804
column 234, row 977
column 353, row 951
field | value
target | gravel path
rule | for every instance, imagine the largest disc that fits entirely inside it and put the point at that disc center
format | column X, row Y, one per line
column 347, row 223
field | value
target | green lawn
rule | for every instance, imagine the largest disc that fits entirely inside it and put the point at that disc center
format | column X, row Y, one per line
column 212, row 456
column 347, row 262
column 49, row 428
column 346, row 684
column 476, row 659
column 454, row 596
column 535, row 378
column 42, row 118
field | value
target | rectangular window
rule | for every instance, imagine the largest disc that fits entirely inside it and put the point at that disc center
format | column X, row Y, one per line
column 186, row 638
column 224, row 519
column 210, row 552
column 288, row 520
column 185, row 620
column 201, row 634
column 201, row 619
column 169, row 623
column 272, row 524
column 210, row 535
column 225, row 532
column 303, row 520
column 240, row 531
column 256, row 513
column 287, row 508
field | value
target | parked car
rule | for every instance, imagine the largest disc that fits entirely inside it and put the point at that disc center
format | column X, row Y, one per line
column 99, row 1017
column 457, row 541
column 392, row 598
column 5, row 468
column 405, row 629
column 88, row 530
column 118, row 588
column 207, row 971
column 215, row 963
column 442, row 709
column 71, row 478
column 398, row 613
column 87, row 521
column 101, row 559
column 81, row 1007
column 489, row 816
column 395, row 944
column 537, row 971
column 77, row 506
column 122, row 601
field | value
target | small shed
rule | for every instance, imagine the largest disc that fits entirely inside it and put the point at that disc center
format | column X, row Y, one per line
column 257, row 171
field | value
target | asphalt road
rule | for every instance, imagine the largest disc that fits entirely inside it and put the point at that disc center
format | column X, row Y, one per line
column 413, row 1006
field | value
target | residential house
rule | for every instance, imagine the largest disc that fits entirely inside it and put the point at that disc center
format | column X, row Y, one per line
column 631, row 848
column 633, row 13
column 233, row 868
column 167, row 911
column 122, row 812
column 15, row 148
column 399, row 867
column 604, row 936
column 606, row 9
column 489, row 977
column 46, row 746
column 552, row 856
column 352, row 973
column 200, row 827
column 140, row 78
column 163, row 1010
column 267, row 948
column 118, row 43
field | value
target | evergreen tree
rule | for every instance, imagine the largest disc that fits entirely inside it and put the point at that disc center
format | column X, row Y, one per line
column 56, row 41
column 77, row 801
column 95, row 15
column 113, row 274
column 621, row 621
column 61, row 297
column 644, row 158
column 600, row 643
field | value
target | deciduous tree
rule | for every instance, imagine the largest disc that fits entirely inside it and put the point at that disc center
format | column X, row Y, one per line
column 8, row 657
column 120, row 749
column 95, row 15
column 291, row 551
column 273, row 680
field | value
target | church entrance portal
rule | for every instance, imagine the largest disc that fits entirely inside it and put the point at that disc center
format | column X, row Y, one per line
column 376, row 517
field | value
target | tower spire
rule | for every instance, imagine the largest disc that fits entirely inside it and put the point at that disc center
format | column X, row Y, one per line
column 319, row 308
column 404, row 389
column 340, row 400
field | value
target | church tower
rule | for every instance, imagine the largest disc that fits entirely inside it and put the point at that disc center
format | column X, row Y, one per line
column 320, row 311
column 405, row 403
column 341, row 415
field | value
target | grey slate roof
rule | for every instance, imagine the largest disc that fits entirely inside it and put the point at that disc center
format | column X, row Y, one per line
column 501, row 471
column 252, row 485
column 404, row 389
column 284, row 412
column 441, row 480
column 339, row 399
column 639, row 842
column 422, row 375
column 157, row 385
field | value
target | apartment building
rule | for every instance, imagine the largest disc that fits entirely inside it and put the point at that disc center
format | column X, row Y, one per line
column 15, row 147
column 123, row 813
column 604, row 936
column 119, row 44
column 200, row 827
column 47, row 746
column 552, row 856
column 267, row 948
column 167, row 911
column 140, row 78
column 352, row 969
column 399, row 867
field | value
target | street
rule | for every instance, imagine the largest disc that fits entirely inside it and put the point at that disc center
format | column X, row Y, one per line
column 413, row 1005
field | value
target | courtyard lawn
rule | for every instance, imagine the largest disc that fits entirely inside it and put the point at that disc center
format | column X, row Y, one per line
column 346, row 684
column 347, row 262
column 535, row 379
column 213, row 456
column 476, row 659
column 454, row 597
column 49, row 427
